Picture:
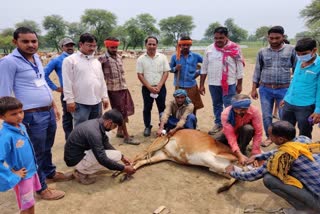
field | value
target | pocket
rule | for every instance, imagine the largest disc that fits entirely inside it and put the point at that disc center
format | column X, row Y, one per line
column 285, row 62
column 267, row 61
column 28, row 119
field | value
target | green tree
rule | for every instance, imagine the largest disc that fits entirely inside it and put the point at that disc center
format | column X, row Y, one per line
column 7, row 32
column 262, row 32
column 75, row 29
column 311, row 13
column 147, row 23
column 135, row 33
column 29, row 24
column 6, row 44
column 172, row 28
column 100, row 23
column 236, row 34
column 56, row 30
column 209, row 32
column 121, row 33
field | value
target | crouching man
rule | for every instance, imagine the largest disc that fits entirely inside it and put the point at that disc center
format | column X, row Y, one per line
column 178, row 114
column 89, row 150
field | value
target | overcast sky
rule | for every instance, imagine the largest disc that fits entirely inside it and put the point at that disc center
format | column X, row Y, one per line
column 248, row 14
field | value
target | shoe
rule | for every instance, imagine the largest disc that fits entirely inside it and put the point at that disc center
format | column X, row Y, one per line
column 266, row 143
column 59, row 176
column 215, row 129
column 147, row 131
column 52, row 194
column 83, row 178
column 131, row 141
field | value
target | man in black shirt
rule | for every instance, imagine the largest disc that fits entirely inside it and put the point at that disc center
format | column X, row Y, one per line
column 89, row 150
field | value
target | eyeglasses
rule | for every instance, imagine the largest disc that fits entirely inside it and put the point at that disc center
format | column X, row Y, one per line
column 90, row 46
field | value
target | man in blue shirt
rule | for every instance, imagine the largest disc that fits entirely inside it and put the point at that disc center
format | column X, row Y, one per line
column 67, row 46
column 302, row 101
column 184, row 65
column 21, row 74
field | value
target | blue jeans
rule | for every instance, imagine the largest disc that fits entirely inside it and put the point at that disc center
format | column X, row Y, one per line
column 191, row 122
column 86, row 112
column 268, row 96
column 300, row 114
column 148, row 102
column 67, row 119
column 219, row 100
column 41, row 128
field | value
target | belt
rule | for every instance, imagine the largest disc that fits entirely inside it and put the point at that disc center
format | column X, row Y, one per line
column 39, row 109
column 273, row 86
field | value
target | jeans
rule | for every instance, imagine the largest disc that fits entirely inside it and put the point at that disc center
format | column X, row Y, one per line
column 148, row 102
column 41, row 128
column 300, row 199
column 219, row 100
column 300, row 114
column 67, row 119
column 268, row 96
column 86, row 112
column 191, row 122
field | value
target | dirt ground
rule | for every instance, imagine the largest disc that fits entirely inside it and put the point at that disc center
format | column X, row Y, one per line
column 181, row 189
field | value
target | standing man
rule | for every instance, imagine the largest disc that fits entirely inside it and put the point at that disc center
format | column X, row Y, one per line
column 119, row 95
column 67, row 46
column 84, row 87
column 223, row 63
column 152, row 69
column 21, row 74
column 302, row 101
column 184, row 65
column 272, row 75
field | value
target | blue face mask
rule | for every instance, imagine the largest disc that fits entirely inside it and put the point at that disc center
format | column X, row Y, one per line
column 305, row 58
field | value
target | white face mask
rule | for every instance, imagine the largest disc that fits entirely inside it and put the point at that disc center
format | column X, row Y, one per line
column 305, row 58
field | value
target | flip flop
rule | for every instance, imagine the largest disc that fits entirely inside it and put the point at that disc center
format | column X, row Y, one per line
column 131, row 141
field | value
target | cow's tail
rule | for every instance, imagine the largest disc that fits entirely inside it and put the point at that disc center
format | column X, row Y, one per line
column 227, row 186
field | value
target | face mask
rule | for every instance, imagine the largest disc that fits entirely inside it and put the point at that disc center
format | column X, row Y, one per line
column 305, row 58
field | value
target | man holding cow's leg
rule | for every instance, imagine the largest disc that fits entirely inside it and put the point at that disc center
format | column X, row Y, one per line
column 241, row 122
column 178, row 114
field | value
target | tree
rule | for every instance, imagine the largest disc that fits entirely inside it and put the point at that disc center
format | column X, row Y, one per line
column 135, row 33
column 172, row 28
column 56, row 30
column 209, row 32
column 236, row 34
column 121, row 33
column 7, row 32
column 147, row 23
column 312, row 15
column 100, row 23
column 262, row 32
column 75, row 29
column 29, row 24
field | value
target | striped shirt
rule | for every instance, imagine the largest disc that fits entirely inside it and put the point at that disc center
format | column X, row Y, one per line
column 274, row 66
column 303, row 169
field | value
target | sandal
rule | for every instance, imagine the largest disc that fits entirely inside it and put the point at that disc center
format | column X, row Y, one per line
column 266, row 143
column 120, row 135
column 131, row 141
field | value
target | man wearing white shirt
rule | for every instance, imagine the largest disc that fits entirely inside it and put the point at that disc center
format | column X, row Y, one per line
column 83, row 81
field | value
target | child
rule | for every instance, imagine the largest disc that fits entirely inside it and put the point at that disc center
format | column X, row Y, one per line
column 18, row 169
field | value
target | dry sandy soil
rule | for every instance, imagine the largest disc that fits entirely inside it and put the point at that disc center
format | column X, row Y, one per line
column 182, row 189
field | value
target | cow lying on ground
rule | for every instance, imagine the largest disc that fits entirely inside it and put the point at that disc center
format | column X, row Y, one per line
column 192, row 147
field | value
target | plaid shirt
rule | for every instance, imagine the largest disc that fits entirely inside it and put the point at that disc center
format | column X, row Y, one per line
column 113, row 72
column 303, row 169
column 273, row 66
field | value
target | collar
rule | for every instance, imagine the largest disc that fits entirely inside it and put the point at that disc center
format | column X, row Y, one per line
column 102, row 128
column 13, row 128
column 156, row 55
column 65, row 53
column 88, row 57
column 16, row 53
column 283, row 46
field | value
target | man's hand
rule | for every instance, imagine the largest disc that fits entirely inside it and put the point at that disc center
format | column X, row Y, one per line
column 229, row 169
column 242, row 159
column 281, row 104
column 315, row 118
column 21, row 172
column 178, row 67
column 251, row 160
column 105, row 104
column 59, row 89
column 239, row 88
column 171, row 132
column 71, row 107
column 129, row 169
column 126, row 161
column 56, row 111
column 202, row 90
column 159, row 132
column 254, row 94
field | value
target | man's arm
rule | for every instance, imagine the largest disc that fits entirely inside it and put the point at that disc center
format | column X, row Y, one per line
column 251, row 175
column 183, row 119
column 203, row 75
column 7, row 76
column 258, row 131
column 68, row 79
column 256, row 76
column 47, row 71
column 316, row 114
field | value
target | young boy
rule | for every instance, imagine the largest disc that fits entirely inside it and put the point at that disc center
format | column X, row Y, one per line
column 18, row 168
column 292, row 171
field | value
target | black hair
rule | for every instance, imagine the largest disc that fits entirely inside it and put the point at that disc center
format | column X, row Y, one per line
column 221, row 30
column 276, row 29
column 22, row 30
column 283, row 129
column 185, row 38
column 151, row 37
column 305, row 44
column 87, row 37
column 9, row 103
column 113, row 115
column 111, row 38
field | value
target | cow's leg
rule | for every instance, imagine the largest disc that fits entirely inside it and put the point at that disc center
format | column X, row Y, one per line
column 157, row 157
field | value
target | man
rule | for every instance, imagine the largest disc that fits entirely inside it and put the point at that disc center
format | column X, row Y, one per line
column 67, row 46
column 89, row 150
column 241, row 123
column 21, row 73
column 302, row 101
column 152, row 70
column 223, row 64
column 184, row 65
column 119, row 95
column 178, row 114
column 84, row 87
column 291, row 172
column 272, row 75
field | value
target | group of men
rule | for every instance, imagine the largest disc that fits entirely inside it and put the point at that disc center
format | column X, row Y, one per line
column 88, row 84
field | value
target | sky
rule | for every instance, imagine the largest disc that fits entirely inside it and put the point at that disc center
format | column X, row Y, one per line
column 247, row 14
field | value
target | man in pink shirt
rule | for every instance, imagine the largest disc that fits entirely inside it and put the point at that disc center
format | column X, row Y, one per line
column 241, row 122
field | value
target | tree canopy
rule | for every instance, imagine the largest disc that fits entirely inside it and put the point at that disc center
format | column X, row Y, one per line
column 56, row 29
